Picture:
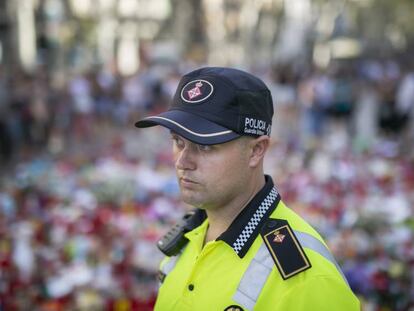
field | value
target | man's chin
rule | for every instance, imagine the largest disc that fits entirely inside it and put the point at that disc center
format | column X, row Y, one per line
column 190, row 199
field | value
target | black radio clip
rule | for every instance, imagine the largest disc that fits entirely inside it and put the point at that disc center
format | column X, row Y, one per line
column 174, row 240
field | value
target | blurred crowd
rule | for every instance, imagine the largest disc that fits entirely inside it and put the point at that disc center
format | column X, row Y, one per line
column 84, row 196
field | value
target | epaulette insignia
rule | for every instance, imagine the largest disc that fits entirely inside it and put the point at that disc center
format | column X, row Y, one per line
column 284, row 247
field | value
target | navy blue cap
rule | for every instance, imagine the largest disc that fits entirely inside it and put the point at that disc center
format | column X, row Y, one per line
column 214, row 105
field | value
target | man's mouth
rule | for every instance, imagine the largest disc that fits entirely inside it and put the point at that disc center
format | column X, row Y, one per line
column 186, row 180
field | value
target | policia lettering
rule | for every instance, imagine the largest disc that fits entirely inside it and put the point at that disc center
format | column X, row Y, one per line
column 256, row 127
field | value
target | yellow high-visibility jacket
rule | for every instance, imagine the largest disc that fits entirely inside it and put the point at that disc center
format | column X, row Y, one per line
column 268, row 259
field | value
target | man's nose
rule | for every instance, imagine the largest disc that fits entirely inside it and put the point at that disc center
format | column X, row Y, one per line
column 185, row 159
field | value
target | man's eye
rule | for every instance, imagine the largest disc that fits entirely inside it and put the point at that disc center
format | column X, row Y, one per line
column 204, row 147
column 178, row 142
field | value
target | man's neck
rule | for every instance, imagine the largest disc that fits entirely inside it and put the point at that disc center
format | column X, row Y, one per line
column 220, row 219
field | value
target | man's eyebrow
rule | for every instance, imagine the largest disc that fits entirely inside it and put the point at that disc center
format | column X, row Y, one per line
column 175, row 135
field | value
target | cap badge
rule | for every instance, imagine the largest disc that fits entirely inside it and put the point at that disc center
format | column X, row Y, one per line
column 196, row 91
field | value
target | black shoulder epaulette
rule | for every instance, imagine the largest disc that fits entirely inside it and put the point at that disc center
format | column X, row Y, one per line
column 284, row 247
column 174, row 240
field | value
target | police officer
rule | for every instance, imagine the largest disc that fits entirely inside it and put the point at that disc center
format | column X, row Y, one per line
column 241, row 248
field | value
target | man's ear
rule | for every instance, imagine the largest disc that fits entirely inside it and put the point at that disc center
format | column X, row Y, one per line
column 258, row 148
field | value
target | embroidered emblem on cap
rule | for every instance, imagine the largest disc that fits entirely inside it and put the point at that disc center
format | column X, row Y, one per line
column 196, row 91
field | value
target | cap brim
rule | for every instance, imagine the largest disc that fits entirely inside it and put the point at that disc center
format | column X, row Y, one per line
column 191, row 127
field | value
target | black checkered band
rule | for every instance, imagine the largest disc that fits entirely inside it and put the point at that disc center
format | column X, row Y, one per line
column 255, row 220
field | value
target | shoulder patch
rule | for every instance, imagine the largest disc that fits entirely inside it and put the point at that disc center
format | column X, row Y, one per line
column 284, row 247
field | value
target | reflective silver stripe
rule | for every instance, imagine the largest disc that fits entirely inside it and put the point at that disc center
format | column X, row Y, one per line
column 309, row 241
column 169, row 265
column 254, row 279
column 259, row 269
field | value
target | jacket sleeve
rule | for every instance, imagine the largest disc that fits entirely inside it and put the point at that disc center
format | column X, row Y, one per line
column 321, row 293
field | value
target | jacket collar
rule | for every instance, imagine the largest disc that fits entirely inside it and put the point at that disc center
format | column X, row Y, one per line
column 244, row 229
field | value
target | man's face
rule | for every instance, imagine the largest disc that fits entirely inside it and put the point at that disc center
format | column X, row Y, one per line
column 210, row 176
